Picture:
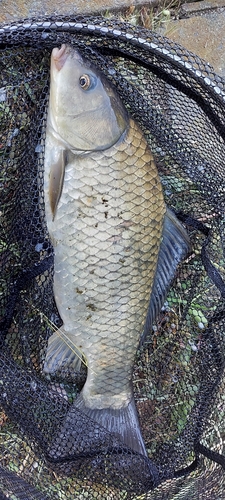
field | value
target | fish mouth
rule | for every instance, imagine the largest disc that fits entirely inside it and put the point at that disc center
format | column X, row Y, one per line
column 59, row 56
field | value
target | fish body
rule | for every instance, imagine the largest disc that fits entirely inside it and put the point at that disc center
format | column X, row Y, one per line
column 106, row 216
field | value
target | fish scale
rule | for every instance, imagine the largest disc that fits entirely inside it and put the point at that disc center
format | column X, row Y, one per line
column 125, row 263
column 106, row 217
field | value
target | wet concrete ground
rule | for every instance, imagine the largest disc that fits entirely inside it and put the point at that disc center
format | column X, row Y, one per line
column 11, row 10
column 201, row 29
column 200, row 26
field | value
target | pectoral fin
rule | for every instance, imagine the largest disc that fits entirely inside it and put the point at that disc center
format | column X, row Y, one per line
column 56, row 179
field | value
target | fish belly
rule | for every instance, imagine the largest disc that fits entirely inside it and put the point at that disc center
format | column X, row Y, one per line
column 106, row 236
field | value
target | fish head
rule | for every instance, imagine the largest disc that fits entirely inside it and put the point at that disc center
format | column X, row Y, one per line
column 84, row 111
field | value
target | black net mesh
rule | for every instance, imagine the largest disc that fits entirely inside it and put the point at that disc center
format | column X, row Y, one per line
column 178, row 381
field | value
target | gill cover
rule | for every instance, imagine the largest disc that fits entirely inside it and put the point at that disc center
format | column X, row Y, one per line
column 85, row 114
column 84, row 111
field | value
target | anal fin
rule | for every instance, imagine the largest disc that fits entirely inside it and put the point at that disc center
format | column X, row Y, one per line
column 61, row 354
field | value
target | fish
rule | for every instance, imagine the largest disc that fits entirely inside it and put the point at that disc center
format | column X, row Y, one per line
column 116, row 244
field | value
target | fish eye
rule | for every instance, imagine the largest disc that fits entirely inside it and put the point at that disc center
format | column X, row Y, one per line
column 85, row 82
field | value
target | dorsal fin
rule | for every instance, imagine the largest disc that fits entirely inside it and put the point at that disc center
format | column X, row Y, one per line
column 174, row 247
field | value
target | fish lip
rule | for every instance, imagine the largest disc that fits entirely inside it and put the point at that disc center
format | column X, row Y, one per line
column 59, row 56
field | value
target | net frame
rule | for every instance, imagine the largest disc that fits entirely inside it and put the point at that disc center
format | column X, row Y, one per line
column 188, row 75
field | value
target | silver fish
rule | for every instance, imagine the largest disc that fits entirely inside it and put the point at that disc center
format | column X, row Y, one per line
column 116, row 246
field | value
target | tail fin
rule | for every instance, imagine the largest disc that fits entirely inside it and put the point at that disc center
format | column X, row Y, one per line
column 123, row 423
column 61, row 353
column 106, row 438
